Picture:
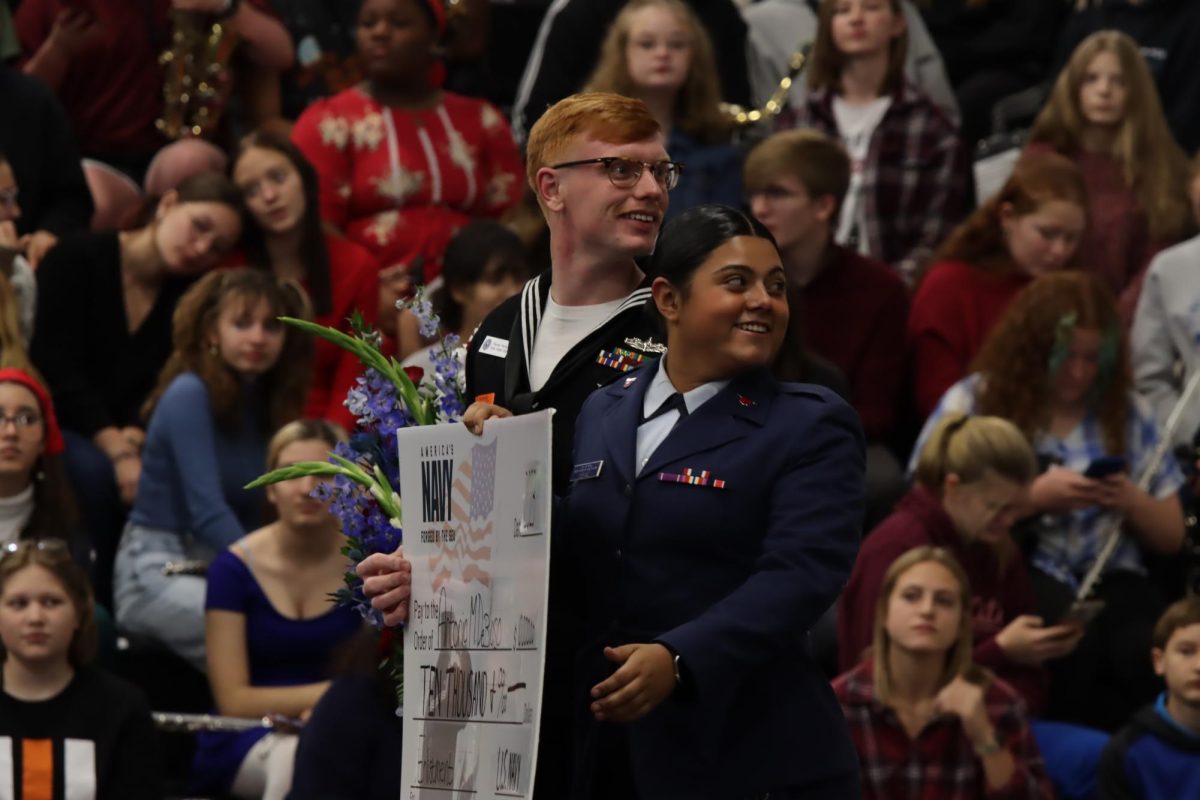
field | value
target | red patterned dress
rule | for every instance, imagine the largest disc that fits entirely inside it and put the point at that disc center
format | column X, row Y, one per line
column 399, row 182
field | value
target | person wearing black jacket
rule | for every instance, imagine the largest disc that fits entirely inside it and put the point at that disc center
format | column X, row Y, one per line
column 36, row 139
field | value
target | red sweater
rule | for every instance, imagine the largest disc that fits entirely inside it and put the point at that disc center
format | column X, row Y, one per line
column 997, row 598
column 955, row 308
column 353, row 286
column 853, row 314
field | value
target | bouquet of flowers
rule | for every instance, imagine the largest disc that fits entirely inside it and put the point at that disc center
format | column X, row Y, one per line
column 364, row 493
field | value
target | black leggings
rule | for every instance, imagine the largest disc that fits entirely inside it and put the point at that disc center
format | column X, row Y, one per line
column 1109, row 675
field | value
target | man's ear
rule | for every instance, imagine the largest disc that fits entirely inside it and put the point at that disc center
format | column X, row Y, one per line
column 667, row 298
column 1157, row 656
column 549, row 189
column 826, row 207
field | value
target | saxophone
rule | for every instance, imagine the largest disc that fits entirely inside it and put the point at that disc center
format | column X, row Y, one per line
column 196, row 77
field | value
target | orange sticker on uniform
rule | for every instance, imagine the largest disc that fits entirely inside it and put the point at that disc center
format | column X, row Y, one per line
column 489, row 398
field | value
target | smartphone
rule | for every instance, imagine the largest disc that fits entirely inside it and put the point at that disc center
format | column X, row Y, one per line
column 1082, row 612
column 1104, row 466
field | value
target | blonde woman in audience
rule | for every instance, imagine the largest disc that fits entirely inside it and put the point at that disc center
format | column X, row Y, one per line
column 1057, row 367
column 1032, row 226
column 270, row 627
column 235, row 375
column 926, row 721
column 658, row 52
column 70, row 729
column 909, row 183
column 972, row 485
column 1104, row 113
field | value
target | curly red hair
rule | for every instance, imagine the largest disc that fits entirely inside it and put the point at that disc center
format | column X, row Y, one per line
column 1016, row 360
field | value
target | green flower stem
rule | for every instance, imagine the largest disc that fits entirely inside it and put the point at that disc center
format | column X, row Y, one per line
column 420, row 408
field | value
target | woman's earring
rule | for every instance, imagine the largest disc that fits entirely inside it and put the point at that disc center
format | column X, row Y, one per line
column 39, row 476
column 214, row 350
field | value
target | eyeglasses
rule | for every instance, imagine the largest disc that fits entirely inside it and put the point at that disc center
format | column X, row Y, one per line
column 626, row 172
column 22, row 420
column 48, row 545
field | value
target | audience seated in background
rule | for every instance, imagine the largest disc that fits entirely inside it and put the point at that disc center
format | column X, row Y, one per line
column 402, row 163
column 1105, row 115
column 851, row 308
column 1032, row 226
column 103, row 332
column 658, row 52
column 91, row 733
column 1157, row 756
column 778, row 28
column 972, row 481
column 102, row 60
column 270, row 628
column 910, row 178
column 40, row 145
column 1056, row 366
column 992, row 49
column 1167, row 33
column 484, row 265
column 568, row 46
column 235, row 374
column 287, row 237
column 926, row 721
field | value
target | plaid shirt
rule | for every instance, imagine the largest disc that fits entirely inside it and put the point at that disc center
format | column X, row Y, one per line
column 915, row 178
column 940, row 763
column 1068, row 543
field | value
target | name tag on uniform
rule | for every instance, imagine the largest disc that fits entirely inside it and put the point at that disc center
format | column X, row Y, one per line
column 584, row 472
column 494, row 347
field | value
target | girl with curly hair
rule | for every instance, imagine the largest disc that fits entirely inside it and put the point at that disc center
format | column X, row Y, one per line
column 658, row 52
column 1057, row 367
column 1032, row 226
column 1104, row 114
column 235, row 375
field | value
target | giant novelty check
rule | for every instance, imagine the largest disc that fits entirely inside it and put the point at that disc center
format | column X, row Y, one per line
column 477, row 531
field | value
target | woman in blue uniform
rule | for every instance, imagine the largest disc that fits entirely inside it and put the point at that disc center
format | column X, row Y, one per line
column 712, row 517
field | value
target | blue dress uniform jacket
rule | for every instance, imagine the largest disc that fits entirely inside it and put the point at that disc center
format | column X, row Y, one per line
column 729, row 565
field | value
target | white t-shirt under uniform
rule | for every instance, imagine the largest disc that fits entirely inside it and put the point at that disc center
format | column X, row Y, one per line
column 562, row 328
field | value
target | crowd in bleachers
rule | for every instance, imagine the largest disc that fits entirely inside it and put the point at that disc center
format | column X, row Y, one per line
column 1022, row 357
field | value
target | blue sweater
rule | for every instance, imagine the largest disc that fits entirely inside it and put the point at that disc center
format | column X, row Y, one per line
column 1152, row 758
column 193, row 472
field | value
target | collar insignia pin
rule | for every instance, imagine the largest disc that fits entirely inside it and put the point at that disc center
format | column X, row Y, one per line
column 629, row 381
column 746, row 401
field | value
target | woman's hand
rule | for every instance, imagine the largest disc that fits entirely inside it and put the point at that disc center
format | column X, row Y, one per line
column 128, row 469
column 36, row 245
column 72, row 29
column 1118, row 493
column 964, row 700
column 1062, row 489
column 387, row 580
column 1026, row 640
column 645, row 678
column 479, row 413
column 135, row 436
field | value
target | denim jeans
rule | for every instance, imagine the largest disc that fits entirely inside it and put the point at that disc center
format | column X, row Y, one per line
column 167, row 609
